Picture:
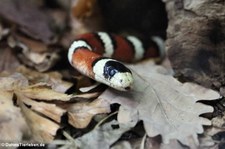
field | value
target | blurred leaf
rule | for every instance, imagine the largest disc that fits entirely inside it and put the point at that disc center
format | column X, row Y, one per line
column 43, row 129
column 34, row 53
column 30, row 19
column 12, row 124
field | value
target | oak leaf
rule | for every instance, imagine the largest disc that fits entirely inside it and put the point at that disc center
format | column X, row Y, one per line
column 165, row 105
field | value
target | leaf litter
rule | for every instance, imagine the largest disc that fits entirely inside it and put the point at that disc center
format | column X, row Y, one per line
column 42, row 107
column 35, row 25
column 166, row 107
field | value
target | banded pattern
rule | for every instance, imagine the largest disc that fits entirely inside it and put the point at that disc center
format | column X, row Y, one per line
column 90, row 53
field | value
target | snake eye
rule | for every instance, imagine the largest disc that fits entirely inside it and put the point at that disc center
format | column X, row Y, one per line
column 113, row 67
column 112, row 72
column 109, row 72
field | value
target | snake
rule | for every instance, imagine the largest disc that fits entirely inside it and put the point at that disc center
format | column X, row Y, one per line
column 102, row 56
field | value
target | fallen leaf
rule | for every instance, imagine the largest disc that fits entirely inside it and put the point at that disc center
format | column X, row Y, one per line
column 42, row 105
column 166, row 106
column 83, row 8
column 85, row 16
column 36, row 24
column 8, row 61
column 54, row 79
column 49, row 110
column 127, row 116
column 80, row 114
column 219, row 121
column 34, row 53
column 122, row 145
column 59, row 19
column 43, row 92
column 85, row 95
column 3, row 32
column 89, row 88
column 43, row 130
column 174, row 144
column 148, row 66
column 42, row 118
column 139, row 143
column 207, row 141
column 102, row 137
column 12, row 82
column 213, row 137
column 12, row 124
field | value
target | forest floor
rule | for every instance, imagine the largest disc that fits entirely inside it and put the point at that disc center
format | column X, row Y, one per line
column 44, row 102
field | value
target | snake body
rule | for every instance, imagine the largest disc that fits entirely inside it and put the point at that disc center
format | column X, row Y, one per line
column 98, row 56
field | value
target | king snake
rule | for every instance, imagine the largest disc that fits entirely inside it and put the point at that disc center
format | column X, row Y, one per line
column 94, row 54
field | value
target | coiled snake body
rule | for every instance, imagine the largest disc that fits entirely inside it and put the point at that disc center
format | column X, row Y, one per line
column 98, row 56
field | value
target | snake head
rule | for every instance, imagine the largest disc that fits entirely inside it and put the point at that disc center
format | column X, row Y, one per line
column 114, row 74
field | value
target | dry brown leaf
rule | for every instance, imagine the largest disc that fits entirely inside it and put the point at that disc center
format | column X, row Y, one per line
column 39, row 115
column 44, row 118
column 80, row 114
column 213, row 137
column 33, row 45
column 43, row 92
column 166, row 106
column 34, row 53
column 12, row 124
column 83, row 8
column 86, row 95
column 101, row 137
column 36, row 24
column 88, row 88
column 3, row 31
column 85, row 16
column 122, row 145
column 139, row 143
column 8, row 61
column 12, row 82
column 206, row 140
column 174, row 144
column 59, row 19
column 50, row 110
column 43, row 130
column 54, row 79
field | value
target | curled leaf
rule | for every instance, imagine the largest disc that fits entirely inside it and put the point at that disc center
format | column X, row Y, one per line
column 43, row 129
column 12, row 123
column 80, row 114
column 44, row 92
column 49, row 110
